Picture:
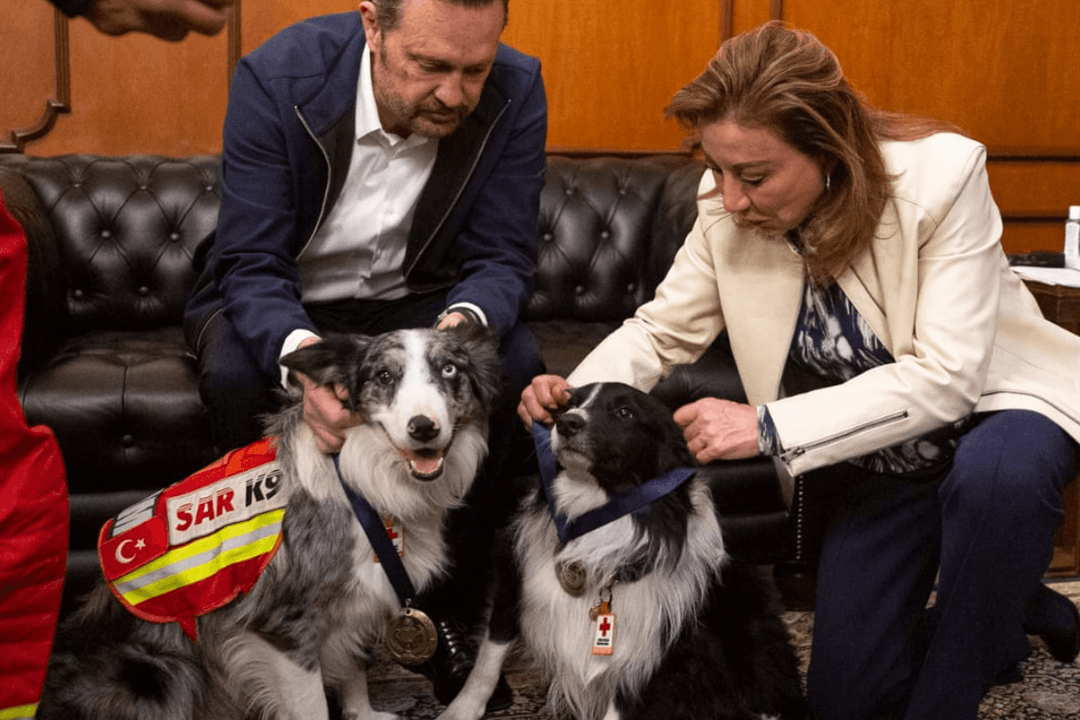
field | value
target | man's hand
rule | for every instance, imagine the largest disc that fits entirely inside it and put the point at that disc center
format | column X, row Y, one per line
column 325, row 411
column 167, row 19
column 542, row 396
column 451, row 320
column 718, row 429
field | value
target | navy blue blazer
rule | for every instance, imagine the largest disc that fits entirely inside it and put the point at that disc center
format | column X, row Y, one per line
column 288, row 138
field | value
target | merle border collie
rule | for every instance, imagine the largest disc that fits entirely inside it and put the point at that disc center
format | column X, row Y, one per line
column 321, row 607
column 617, row 584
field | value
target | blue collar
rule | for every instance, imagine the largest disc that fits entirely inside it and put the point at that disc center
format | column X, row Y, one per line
column 637, row 500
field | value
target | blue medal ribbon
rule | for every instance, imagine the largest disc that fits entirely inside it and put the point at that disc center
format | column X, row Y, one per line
column 636, row 500
column 380, row 541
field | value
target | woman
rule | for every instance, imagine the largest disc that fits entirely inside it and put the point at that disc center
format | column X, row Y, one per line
column 853, row 256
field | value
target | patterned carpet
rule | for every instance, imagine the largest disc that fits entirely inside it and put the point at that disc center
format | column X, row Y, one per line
column 1049, row 691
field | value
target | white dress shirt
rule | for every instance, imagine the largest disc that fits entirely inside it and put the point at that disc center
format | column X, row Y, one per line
column 359, row 249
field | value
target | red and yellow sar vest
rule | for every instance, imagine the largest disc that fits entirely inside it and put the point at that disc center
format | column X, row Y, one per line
column 193, row 547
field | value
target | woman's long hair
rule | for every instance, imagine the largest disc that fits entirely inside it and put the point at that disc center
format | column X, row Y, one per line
column 787, row 81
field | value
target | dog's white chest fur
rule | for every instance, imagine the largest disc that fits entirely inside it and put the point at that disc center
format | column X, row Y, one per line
column 649, row 612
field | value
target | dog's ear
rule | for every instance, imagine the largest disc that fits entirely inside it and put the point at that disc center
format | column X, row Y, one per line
column 673, row 451
column 482, row 348
column 336, row 359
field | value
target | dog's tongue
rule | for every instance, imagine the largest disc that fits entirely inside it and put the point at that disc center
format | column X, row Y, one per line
column 425, row 464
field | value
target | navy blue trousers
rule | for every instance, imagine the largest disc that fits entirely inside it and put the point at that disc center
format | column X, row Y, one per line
column 983, row 527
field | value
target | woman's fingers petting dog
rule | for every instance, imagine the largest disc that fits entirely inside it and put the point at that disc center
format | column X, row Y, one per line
column 542, row 397
column 325, row 413
column 718, row 429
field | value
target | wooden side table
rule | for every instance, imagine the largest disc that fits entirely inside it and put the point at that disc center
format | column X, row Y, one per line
column 1061, row 305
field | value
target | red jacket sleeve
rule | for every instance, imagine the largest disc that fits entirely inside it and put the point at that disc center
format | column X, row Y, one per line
column 33, row 507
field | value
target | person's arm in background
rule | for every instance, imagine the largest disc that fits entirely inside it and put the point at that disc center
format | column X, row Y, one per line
column 167, row 19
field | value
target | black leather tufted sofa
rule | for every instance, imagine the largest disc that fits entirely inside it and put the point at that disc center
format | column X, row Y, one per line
column 105, row 364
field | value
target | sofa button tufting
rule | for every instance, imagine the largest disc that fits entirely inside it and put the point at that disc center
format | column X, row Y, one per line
column 77, row 294
column 127, row 441
column 106, row 234
column 605, row 234
column 548, row 237
column 174, row 236
column 579, row 290
column 144, row 291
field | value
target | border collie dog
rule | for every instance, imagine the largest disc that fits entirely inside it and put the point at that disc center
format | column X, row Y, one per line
column 323, row 601
column 617, row 583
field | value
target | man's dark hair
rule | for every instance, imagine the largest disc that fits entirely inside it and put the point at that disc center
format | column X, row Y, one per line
column 389, row 11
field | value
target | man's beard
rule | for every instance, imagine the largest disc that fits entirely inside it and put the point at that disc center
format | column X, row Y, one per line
column 432, row 119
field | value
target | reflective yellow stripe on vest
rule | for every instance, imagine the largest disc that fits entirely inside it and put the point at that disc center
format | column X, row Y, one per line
column 201, row 558
column 21, row 712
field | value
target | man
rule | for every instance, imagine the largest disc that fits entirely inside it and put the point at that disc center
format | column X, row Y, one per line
column 380, row 169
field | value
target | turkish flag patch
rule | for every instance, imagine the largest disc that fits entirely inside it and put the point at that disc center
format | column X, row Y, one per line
column 190, row 549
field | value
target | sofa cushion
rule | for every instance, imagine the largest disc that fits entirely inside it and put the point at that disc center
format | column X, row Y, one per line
column 124, row 407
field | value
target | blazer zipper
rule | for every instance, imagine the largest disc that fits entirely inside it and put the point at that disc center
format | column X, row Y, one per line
column 329, row 177
column 795, row 452
column 318, row 221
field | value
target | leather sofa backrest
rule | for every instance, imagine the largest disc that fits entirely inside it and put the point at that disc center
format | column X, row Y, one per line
column 126, row 229
column 609, row 227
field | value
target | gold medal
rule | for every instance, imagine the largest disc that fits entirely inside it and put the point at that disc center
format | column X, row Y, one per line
column 411, row 637
column 572, row 577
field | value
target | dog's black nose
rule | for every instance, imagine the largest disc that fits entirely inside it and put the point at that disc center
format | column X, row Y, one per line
column 422, row 428
column 569, row 423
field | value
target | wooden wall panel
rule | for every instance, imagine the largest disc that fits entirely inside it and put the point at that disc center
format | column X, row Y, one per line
column 27, row 67
column 262, row 18
column 1004, row 71
column 137, row 94
column 610, row 66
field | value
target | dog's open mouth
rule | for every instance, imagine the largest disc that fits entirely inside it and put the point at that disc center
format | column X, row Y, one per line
column 424, row 464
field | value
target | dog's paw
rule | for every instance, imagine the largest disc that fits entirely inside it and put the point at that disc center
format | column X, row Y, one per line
column 462, row 711
column 369, row 715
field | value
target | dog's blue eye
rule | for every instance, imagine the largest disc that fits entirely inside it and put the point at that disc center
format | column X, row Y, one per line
column 449, row 370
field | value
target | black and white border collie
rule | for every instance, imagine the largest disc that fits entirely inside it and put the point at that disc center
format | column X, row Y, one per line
column 321, row 607
column 644, row 616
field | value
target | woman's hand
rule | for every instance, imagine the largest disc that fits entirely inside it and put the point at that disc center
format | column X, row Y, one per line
column 541, row 397
column 718, row 429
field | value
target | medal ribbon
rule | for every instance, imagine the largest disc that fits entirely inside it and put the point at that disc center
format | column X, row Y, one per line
column 636, row 500
column 380, row 541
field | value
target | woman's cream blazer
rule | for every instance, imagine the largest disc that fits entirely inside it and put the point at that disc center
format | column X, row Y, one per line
column 935, row 286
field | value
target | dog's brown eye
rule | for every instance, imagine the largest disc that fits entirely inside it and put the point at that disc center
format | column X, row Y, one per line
column 449, row 370
column 383, row 377
column 625, row 413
